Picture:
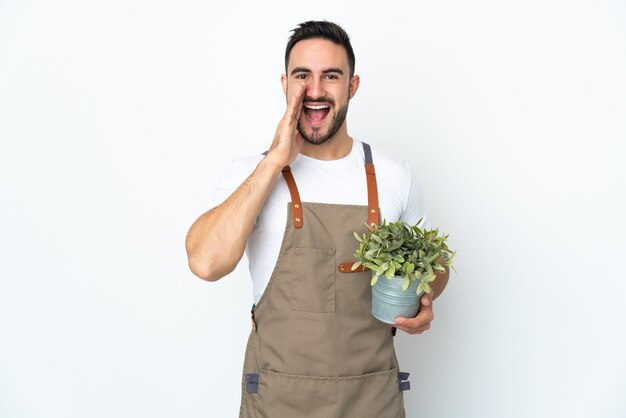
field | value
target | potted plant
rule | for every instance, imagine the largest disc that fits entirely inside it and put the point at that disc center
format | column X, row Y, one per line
column 403, row 260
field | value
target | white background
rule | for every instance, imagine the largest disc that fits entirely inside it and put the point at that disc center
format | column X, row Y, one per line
column 117, row 118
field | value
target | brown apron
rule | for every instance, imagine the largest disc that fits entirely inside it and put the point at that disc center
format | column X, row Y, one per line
column 315, row 349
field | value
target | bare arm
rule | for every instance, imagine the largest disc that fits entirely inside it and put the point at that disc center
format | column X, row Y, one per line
column 216, row 241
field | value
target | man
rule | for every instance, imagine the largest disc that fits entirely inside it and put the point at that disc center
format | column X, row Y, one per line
column 315, row 350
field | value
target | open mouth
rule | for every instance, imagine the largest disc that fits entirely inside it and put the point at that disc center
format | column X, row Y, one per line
column 315, row 114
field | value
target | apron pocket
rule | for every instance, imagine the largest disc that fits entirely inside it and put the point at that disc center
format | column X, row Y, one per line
column 312, row 284
column 372, row 395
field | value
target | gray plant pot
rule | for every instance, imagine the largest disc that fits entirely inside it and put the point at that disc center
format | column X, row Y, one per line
column 390, row 302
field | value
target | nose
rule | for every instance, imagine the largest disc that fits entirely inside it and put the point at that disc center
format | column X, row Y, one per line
column 314, row 88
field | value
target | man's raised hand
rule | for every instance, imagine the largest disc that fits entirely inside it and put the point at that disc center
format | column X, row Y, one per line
column 287, row 140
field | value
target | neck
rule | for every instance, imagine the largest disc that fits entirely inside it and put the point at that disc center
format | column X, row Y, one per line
column 337, row 146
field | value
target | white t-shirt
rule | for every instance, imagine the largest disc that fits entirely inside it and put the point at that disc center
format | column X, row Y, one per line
column 338, row 181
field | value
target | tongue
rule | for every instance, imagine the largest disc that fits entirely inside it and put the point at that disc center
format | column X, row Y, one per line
column 316, row 115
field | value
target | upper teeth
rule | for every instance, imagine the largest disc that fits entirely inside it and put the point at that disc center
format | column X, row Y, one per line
column 316, row 107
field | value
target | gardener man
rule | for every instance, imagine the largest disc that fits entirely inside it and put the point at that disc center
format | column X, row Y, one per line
column 314, row 350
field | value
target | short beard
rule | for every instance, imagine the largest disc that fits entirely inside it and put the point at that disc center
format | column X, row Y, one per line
column 316, row 138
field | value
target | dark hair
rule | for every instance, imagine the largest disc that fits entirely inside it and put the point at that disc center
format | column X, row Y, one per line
column 324, row 30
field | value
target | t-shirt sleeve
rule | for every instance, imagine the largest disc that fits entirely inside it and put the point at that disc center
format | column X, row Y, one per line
column 239, row 170
column 414, row 207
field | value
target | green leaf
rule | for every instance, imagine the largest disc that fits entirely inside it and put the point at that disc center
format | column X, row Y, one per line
column 371, row 266
column 429, row 269
column 409, row 268
column 374, row 280
column 406, row 282
column 382, row 269
column 356, row 265
column 358, row 237
column 438, row 267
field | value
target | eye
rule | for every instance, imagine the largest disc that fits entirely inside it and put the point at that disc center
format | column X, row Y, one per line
column 332, row 77
column 301, row 76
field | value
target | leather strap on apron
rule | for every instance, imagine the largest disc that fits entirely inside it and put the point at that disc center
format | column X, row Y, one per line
column 296, row 203
column 372, row 196
column 372, row 189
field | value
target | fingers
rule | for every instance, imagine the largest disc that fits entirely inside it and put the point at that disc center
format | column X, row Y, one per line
column 294, row 102
column 423, row 319
column 414, row 331
column 287, row 140
column 421, row 322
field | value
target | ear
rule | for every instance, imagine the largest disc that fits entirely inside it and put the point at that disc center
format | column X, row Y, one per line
column 283, row 81
column 354, row 85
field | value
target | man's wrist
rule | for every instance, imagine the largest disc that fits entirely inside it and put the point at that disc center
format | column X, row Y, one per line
column 270, row 164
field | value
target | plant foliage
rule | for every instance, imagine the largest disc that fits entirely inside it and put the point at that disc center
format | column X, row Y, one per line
column 399, row 249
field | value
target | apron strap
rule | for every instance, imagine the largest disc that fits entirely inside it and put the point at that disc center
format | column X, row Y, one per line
column 347, row 267
column 372, row 189
column 296, row 203
column 373, row 218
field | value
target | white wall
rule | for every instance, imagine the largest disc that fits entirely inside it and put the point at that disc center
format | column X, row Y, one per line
column 117, row 117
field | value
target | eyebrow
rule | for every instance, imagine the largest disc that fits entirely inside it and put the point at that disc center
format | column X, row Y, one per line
column 306, row 70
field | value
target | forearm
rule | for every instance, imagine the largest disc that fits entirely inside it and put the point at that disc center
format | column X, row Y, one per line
column 216, row 241
column 439, row 284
